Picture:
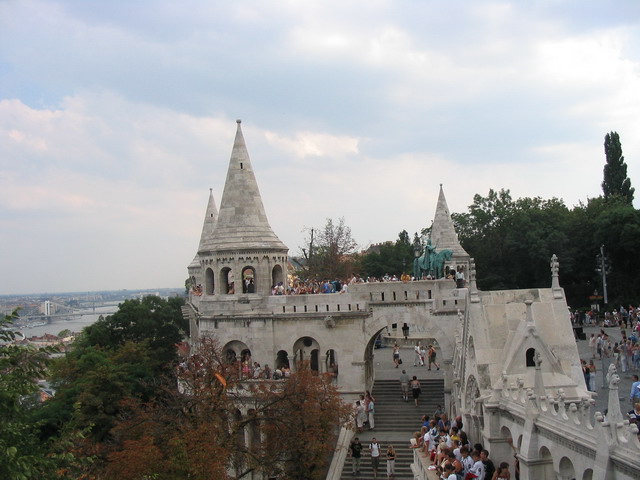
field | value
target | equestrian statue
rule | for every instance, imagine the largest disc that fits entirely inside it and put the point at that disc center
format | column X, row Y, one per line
column 431, row 263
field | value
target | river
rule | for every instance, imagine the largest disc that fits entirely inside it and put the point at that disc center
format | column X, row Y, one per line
column 75, row 324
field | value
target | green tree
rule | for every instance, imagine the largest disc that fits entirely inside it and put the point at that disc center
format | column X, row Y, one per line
column 121, row 356
column 618, row 228
column 512, row 240
column 64, row 333
column 22, row 455
column 392, row 258
column 482, row 232
column 615, row 181
column 152, row 319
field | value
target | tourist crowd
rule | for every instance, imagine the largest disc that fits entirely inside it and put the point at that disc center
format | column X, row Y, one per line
column 444, row 442
column 622, row 317
column 451, row 453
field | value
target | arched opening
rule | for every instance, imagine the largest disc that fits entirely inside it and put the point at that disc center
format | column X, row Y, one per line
column 473, row 408
column 303, row 353
column 546, row 464
column 277, row 276
column 248, row 280
column 315, row 360
column 471, row 393
column 234, row 353
column 282, row 359
column 231, row 357
column 331, row 364
column 588, row 474
column 245, row 354
column 531, row 357
column 227, row 286
column 208, row 282
column 502, row 449
column 368, row 359
column 567, row 472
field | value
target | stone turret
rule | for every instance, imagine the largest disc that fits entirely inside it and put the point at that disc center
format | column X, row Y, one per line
column 443, row 233
column 210, row 220
column 239, row 253
column 444, row 236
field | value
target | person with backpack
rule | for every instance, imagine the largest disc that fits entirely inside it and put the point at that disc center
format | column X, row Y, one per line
column 374, row 448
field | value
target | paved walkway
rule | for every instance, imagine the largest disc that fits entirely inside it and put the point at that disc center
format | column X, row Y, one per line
column 385, row 368
column 602, row 366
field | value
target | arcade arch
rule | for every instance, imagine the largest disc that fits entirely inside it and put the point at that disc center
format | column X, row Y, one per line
column 282, row 359
column 249, row 279
column 546, row 463
column 277, row 275
column 227, row 284
column 235, row 351
column 472, row 392
column 306, row 351
column 209, row 283
column 331, row 363
column 566, row 469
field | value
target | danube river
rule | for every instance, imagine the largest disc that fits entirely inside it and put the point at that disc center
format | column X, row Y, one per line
column 75, row 323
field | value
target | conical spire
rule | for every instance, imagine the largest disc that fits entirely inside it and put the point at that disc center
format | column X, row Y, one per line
column 443, row 233
column 242, row 221
column 210, row 219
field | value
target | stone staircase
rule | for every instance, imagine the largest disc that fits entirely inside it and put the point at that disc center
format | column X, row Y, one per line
column 395, row 422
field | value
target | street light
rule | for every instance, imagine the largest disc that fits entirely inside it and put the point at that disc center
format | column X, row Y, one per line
column 603, row 270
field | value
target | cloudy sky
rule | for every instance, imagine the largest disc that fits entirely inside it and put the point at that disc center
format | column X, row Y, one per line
column 116, row 117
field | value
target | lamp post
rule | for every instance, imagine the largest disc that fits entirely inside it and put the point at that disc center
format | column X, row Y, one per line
column 603, row 269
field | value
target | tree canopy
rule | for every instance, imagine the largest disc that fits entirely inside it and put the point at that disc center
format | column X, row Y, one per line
column 22, row 454
column 615, row 181
column 121, row 356
column 393, row 258
column 328, row 250
column 201, row 434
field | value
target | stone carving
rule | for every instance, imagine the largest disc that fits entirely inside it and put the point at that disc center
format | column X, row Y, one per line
column 329, row 322
column 555, row 278
column 555, row 265
column 538, row 359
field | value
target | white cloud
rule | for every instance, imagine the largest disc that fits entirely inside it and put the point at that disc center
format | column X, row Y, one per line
column 311, row 144
column 114, row 123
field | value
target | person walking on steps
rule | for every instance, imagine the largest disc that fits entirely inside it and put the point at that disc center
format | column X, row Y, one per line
column 374, row 449
column 432, row 357
column 391, row 462
column 404, row 385
column 415, row 389
column 355, row 449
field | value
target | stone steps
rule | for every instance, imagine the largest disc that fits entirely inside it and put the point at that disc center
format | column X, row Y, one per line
column 395, row 422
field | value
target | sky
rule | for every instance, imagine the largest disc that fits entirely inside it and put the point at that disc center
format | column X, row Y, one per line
column 116, row 118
